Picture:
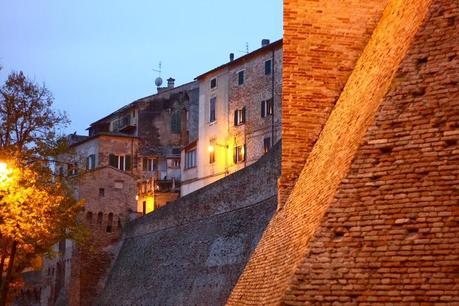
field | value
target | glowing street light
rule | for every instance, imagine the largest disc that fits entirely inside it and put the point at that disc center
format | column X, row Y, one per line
column 5, row 172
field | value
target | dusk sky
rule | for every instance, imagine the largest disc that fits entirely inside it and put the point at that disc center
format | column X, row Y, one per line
column 96, row 56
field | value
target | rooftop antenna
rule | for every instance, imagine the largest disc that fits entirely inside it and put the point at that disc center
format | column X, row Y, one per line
column 246, row 49
column 158, row 80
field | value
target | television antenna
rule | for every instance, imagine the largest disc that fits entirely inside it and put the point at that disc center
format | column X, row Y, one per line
column 158, row 80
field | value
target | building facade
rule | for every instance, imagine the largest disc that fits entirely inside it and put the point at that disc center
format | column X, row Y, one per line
column 239, row 116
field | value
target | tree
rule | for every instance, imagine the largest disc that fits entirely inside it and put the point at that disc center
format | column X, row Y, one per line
column 28, row 124
column 36, row 208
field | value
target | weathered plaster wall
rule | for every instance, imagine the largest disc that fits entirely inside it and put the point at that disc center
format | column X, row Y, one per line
column 192, row 251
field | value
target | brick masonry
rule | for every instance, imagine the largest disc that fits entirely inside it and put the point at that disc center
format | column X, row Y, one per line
column 391, row 233
column 322, row 42
column 192, row 251
column 274, row 273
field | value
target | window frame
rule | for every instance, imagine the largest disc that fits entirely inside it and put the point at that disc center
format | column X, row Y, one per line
column 270, row 67
column 190, row 159
column 241, row 80
column 213, row 80
column 212, row 110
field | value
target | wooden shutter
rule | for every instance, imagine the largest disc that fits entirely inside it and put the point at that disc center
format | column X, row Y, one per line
column 128, row 162
column 113, row 160
column 235, row 118
column 263, row 109
column 243, row 114
column 235, row 155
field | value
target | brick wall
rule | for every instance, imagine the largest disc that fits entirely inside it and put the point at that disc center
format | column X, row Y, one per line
column 322, row 42
column 268, row 274
column 391, row 233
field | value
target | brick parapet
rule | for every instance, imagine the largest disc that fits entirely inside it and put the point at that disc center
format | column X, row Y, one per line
column 268, row 274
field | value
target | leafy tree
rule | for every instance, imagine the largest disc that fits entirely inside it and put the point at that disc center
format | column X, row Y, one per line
column 28, row 124
column 36, row 208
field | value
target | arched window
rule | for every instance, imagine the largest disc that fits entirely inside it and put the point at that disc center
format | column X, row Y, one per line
column 110, row 223
column 89, row 217
column 100, row 217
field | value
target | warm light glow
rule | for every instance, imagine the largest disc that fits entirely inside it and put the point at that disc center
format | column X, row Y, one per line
column 211, row 148
column 5, row 174
column 3, row 169
column 136, row 197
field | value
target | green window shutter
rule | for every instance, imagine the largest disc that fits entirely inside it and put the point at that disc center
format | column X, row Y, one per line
column 128, row 162
column 113, row 160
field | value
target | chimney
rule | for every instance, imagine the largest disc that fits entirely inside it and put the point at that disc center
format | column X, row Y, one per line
column 264, row 42
column 231, row 57
column 170, row 82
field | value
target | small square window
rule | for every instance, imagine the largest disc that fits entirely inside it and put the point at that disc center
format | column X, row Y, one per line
column 268, row 67
column 240, row 77
column 101, row 192
column 213, row 83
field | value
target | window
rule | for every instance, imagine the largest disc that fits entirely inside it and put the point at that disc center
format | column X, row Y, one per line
column 89, row 217
column 190, row 159
column 175, row 122
column 239, row 154
column 100, row 217
column 149, row 164
column 175, row 163
column 239, row 116
column 212, row 105
column 211, row 156
column 266, row 144
column 266, row 108
column 109, row 223
column 91, row 162
column 72, row 169
column 122, row 162
column 268, row 67
column 101, row 192
column 213, row 83
column 240, row 77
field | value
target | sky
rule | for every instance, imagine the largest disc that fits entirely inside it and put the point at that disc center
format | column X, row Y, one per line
column 97, row 55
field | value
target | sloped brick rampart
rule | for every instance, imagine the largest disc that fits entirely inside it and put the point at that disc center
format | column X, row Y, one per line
column 391, row 234
column 322, row 43
column 272, row 266
column 192, row 251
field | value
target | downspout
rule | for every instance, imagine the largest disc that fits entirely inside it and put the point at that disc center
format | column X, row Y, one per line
column 272, row 97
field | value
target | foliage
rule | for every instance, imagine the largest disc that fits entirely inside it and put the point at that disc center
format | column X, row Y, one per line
column 27, row 121
column 37, row 209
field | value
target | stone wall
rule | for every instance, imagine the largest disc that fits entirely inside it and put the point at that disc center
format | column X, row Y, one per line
column 192, row 251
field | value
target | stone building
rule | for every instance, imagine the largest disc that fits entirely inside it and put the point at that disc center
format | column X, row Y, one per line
column 239, row 116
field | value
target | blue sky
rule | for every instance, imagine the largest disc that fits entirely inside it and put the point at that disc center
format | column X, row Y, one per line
column 98, row 55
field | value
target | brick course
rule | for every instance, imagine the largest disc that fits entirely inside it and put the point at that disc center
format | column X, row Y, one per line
column 269, row 272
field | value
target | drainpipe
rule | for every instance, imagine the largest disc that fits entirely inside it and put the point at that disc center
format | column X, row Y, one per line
column 272, row 95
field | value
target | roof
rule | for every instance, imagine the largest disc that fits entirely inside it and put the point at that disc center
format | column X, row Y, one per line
column 136, row 102
column 273, row 45
column 88, row 138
